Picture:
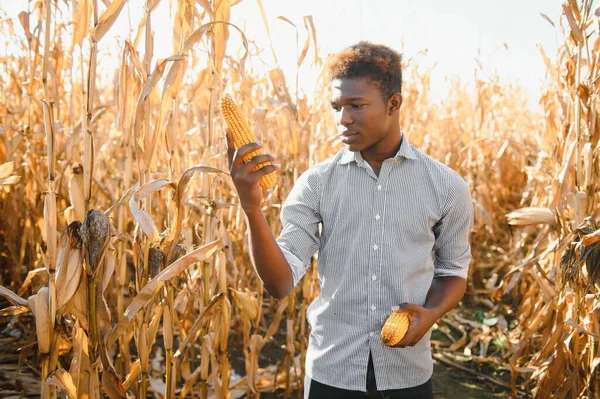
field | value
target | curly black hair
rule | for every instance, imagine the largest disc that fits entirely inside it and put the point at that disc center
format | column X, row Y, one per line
column 376, row 62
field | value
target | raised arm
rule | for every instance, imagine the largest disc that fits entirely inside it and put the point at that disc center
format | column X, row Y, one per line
column 266, row 255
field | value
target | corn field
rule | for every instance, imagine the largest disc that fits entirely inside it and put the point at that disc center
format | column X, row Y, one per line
column 123, row 248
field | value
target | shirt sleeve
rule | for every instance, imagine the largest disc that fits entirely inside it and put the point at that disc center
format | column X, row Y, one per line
column 300, row 238
column 452, row 249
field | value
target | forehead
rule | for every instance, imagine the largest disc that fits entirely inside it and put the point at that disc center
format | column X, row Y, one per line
column 353, row 88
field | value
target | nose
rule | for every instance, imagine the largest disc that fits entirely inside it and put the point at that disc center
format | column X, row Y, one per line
column 344, row 117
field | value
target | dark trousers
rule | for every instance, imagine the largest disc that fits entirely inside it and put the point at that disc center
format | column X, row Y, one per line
column 322, row 391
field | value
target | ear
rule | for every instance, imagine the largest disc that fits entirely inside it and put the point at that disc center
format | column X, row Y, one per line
column 394, row 103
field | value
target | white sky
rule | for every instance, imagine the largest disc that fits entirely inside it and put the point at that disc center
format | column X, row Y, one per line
column 452, row 32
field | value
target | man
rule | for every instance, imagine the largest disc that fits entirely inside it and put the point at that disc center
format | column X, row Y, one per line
column 394, row 235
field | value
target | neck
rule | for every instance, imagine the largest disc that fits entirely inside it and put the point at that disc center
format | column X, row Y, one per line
column 385, row 149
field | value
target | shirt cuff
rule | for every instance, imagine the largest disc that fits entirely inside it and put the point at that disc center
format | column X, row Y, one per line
column 295, row 263
column 458, row 267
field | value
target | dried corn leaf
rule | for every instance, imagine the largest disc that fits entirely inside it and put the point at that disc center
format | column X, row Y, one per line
column 14, row 310
column 207, row 312
column 197, row 35
column 12, row 297
column 144, row 220
column 111, row 384
column 82, row 16
column 107, row 19
column 153, row 286
column 133, row 375
column 530, row 215
column 60, row 378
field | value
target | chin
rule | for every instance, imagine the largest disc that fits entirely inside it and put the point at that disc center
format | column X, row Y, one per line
column 355, row 147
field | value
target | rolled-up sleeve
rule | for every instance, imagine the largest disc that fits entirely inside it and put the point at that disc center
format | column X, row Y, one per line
column 452, row 249
column 299, row 238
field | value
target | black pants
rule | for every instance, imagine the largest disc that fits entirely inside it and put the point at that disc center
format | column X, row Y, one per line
column 322, row 391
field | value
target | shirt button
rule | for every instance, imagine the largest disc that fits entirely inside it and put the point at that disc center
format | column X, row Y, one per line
column 375, row 247
column 371, row 334
column 374, row 277
column 379, row 187
column 373, row 307
column 377, row 217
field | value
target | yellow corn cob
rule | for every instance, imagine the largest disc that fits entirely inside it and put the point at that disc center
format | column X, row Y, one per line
column 242, row 135
column 395, row 328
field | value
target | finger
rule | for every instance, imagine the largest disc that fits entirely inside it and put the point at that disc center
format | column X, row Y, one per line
column 238, row 156
column 408, row 337
column 258, row 160
column 230, row 146
column 255, row 176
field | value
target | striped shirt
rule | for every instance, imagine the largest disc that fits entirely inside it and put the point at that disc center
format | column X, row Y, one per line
column 380, row 240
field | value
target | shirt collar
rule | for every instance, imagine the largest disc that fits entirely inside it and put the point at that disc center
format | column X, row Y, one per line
column 406, row 150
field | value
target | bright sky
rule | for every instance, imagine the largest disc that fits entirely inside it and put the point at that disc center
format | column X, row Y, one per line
column 452, row 32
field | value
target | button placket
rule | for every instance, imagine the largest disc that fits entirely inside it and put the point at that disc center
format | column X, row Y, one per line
column 374, row 267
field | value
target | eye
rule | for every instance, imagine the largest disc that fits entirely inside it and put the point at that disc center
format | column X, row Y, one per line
column 335, row 107
column 357, row 106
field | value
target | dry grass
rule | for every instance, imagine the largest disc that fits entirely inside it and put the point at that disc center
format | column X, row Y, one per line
column 123, row 230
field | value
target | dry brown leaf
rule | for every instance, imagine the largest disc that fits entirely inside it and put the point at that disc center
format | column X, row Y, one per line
column 111, row 384
column 220, row 32
column 6, row 169
column 177, row 223
column 530, row 215
column 78, row 304
column 40, row 306
column 12, row 297
column 107, row 19
column 80, row 363
column 133, row 375
column 153, row 286
column 14, row 310
column 208, row 311
column 197, row 35
column 596, row 337
column 82, row 16
column 50, row 228
column 76, row 192
column 151, row 187
column 60, row 378
column 263, row 15
column 144, row 220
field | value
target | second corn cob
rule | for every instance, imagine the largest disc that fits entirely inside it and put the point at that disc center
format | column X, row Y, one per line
column 242, row 135
column 395, row 327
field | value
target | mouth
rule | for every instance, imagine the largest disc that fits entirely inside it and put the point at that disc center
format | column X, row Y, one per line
column 348, row 137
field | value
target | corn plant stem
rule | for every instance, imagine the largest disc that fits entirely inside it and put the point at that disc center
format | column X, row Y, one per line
column 578, row 169
column 93, row 341
column 206, row 281
column 121, row 274
column 225, row 374
column 144, row 386
column 210, row 121
column 45, row 394
column 203, row 381
column 147, row 133
column 203, row 389
column 88, row 141
column 205, row 300
column 169, row 350
column 146, row 204
column 47, row 390
column 168, row 376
